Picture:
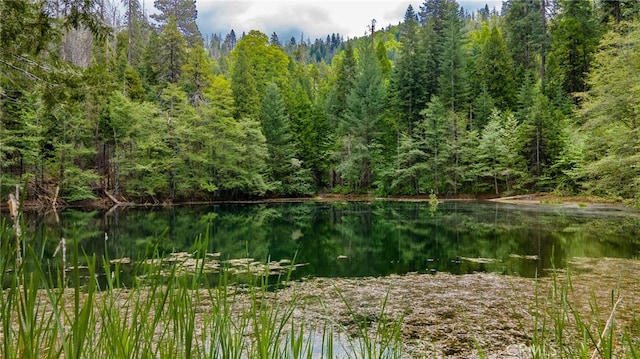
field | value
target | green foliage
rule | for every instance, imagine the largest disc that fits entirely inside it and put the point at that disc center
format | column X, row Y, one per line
column 349, row 115
column 359, row 129
column 452, row 80
column 171, row 54
column 184, row 14
column 433, row 132
column 496, row 70
column 255, row 64
column 524, row 33
column 408, row 92
column 499, row 159
column 196, row 75
column 542, row 134
column 310, row 130
column 345, row 77
column 575, row 36
column 611, row 112
column 287, row 175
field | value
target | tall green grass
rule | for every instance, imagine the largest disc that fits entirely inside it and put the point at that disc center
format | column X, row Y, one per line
column 561, row 329
column 67, row 313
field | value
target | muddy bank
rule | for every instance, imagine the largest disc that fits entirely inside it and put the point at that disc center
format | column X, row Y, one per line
column 452, row 316
column 109, row 203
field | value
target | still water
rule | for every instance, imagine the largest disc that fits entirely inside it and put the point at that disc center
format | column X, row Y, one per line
column 356, row 239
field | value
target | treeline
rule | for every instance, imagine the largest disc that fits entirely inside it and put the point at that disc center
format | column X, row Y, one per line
column 97, row 99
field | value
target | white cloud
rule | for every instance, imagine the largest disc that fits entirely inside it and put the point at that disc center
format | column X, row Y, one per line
column 316, row 19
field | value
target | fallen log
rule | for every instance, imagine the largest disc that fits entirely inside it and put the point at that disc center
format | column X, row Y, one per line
column 117, row 203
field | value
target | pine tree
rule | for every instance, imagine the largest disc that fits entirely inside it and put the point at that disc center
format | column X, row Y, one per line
column 361, row 124
column 287, row 174
column 575, row 35
column 452, row 63
column 407, row 90
column 344, row 82
column 185, row 14
column 196, row 75
column 542, row 135
column 497, row 70
column 434, row 133
column 523, row 32
column 171, row 53
column 434, row 15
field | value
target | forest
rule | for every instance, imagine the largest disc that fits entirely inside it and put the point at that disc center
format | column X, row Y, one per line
column 97, row 99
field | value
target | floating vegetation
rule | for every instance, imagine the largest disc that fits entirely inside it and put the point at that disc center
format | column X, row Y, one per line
column 532, row 257
column 183, row 263
column 480, row 260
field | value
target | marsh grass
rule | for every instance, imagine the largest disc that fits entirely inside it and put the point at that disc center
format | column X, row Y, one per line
column 564, row 329
column 67, row 313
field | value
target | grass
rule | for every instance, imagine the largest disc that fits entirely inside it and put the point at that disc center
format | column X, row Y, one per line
column 168, row 315
column 562, row 329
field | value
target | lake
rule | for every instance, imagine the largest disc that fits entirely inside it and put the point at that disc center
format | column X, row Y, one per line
column 354, row 239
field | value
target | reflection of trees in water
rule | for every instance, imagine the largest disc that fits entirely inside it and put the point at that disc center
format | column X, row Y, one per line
column 355, row 238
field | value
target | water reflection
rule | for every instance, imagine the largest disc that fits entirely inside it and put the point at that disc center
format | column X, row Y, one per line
column 357, row 238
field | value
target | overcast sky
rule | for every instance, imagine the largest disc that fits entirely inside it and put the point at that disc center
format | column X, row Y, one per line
column 313, row 17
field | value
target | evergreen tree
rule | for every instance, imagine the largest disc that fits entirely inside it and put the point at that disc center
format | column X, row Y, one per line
column 452, row 63
column 407, row 90
column 254, row 160
column 310, row 129
column 231, row 171
column 184, row 13
column 361, row 124
column 434, row 133
column 345, row 69
column 244, row 87
column 575, row 35
column 196, row 75
column 411, row 167
column 523, row 32
column 497, row 70
column 135, row 23
column 615, row 11
column 274, row 40
column 171, row 53
column 499, row 158
column 434, row 15
column 385, row 64
column 286, row 170
column 542, row 135
column 492, row 149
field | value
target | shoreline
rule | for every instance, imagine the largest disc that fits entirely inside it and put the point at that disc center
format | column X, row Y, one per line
column 527, row 199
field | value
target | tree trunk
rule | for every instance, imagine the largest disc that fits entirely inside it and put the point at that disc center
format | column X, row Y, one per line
column 543, row 55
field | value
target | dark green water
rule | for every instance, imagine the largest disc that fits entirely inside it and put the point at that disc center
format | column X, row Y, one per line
column 358, row 238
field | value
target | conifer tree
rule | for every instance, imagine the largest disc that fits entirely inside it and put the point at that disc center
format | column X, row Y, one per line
column 185, row 14
column 172, row 52
column 575, row 35
column 361, row 124
column 452, row 63
column 523, row 32
column 287, row 175
column 408, row 90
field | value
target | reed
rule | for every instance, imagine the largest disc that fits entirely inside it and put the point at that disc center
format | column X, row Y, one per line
column 169, row 314
column 561, row 329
